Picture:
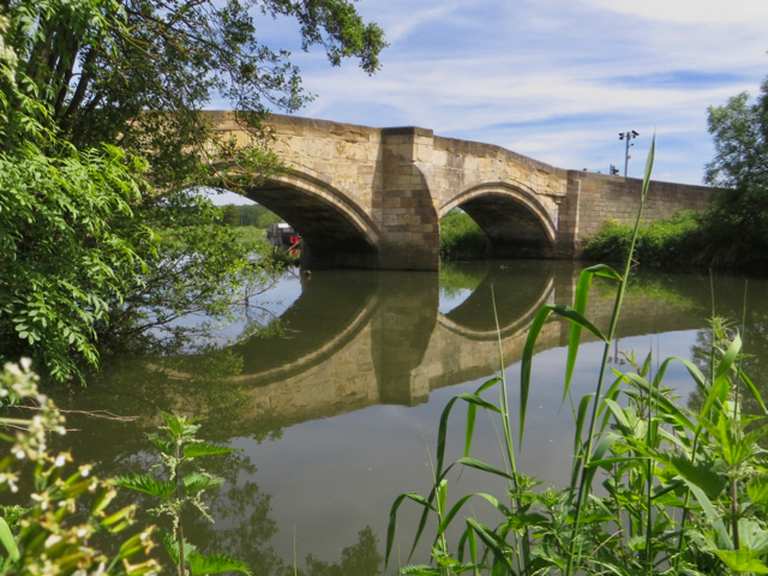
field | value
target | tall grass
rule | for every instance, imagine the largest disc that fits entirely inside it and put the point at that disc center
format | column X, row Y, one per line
column 685, row 489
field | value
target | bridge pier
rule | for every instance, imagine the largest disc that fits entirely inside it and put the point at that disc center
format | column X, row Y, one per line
column 402, row 205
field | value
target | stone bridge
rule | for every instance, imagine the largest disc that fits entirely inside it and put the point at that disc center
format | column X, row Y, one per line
column 367, row 197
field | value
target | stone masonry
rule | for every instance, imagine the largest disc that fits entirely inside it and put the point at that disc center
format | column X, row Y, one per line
column 366, row 197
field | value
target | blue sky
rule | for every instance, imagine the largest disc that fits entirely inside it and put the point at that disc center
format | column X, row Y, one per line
column 552, row 79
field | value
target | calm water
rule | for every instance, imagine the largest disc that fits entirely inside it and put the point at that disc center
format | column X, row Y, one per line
column 334, row 408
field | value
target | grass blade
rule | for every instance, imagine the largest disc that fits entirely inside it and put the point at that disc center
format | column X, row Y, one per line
column 581, row 297
column 392, row 524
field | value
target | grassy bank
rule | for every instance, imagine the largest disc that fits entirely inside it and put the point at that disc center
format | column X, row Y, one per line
column 687, row 241
column 250, row 234
column 461, row 238
column 663, row 244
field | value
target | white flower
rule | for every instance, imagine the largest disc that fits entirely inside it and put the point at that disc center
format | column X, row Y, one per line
column 52, row 540
column 41, row 499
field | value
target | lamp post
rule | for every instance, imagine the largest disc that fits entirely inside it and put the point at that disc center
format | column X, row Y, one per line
column 628, row 136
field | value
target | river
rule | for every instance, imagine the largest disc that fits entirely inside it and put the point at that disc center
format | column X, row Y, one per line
column 333, row 409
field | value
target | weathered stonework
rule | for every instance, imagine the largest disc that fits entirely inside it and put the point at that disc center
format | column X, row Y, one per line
column 373, row 197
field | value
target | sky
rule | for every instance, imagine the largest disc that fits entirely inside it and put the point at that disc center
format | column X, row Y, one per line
column 556, row 80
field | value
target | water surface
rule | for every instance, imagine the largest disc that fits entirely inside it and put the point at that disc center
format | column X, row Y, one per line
column 333, row 409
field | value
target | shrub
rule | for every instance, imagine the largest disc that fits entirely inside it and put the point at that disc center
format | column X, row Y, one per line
column 677, row 241
column 461, row 237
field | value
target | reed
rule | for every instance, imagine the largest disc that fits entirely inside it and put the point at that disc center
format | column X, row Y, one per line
column 685, row 488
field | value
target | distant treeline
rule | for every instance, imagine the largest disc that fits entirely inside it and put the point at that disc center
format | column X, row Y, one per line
column 250, row 215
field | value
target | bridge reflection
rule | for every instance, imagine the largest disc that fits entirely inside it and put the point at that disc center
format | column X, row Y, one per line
column 357, row 339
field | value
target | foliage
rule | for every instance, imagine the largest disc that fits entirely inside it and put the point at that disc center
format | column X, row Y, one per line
column 201, row 267
column 253, row 215
column 69, row 250
column 181, row 487
column 454, row 280
column 66, row 508
column 738, row 222
column 683, row 488
column 676, row 241
column 358, row 559
column 461, row 237
column 89, row 87
column 97, row 67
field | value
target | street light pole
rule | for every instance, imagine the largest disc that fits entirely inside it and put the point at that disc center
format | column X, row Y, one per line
column 628, row 136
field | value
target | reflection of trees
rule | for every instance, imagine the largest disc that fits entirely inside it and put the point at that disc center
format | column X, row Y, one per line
column 360, row 559
column 456, row 277
column 754, row 361
column 244, row 527
column 244, row 530
column 142, row 388
column 732, row 304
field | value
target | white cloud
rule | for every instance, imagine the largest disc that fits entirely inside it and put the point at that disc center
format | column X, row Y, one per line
column 401, row 19
column 554, row 79
column 753, row 12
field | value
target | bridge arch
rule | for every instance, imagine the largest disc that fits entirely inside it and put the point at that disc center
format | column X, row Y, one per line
column 515, row 220
column 336, row 232
column 474, row 319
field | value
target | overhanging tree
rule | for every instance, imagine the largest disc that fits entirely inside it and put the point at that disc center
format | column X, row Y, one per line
column 135, row 72
column 79, row 75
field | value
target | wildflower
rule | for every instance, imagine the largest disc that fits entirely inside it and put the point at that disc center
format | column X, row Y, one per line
column 52, row 540
column 62, row 459
column 42, row 499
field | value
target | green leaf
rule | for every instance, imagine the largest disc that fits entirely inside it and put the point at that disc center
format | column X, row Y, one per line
column 757, row 490
column 713, row 518
column 392, row 524
column 731, row 354
column 753, row 389
column 618, row 414
column 470, row 428
column 478, row 401
column 147, row 484
column 703, row 476
column 649, row 168
column 742, row 560
column 483, row 467
column 197, row 482
column 526, row 363
column 172, row 547
column 8, row 541
column 200, row 565
column 451, row 514
column 581, row 414
column 490, row 540
column 581, row 297
column 202, row 449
